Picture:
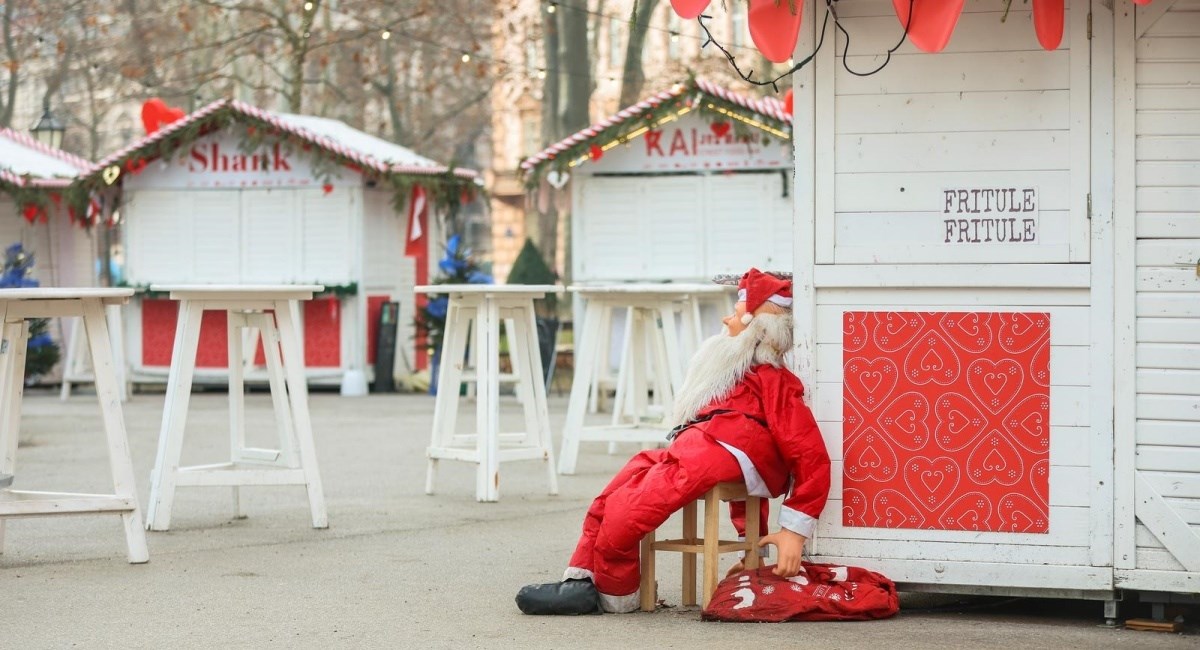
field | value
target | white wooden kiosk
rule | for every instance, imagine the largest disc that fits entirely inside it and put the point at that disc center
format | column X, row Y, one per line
column 64, row 246
column 234, row 194
column 996, row 250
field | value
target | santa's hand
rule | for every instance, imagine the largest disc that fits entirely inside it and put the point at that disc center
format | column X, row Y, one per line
column 791, row 549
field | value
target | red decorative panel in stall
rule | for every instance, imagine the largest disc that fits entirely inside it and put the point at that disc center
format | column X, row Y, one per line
column 946, row 420
column 323, row 332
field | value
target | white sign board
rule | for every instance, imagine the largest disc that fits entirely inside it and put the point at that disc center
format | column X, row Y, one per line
column 218, row 161
column 691, row 143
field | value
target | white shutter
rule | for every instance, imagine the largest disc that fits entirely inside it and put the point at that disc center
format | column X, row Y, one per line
column 159, row 239
column 214, row 236
column 609, row 240
column 270, row 225
column 326, row 235
column 740, row 232
column 672, row 211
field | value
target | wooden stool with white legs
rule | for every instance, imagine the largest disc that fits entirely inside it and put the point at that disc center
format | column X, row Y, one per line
column 76, row 366
column 272, row 310
column 710, row 546
column 17, row 305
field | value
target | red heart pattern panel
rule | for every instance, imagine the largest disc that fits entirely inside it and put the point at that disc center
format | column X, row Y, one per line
column 946, row 420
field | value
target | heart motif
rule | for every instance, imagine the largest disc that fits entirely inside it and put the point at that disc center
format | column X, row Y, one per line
column 931, row 480
column 719, row 129
column 972, row 332
column 932, row 359
column 932, row 21
column 959, row 421
column 1039, row 481
column 156, row 114
column 327, row 188
column 852, row 420
column 557, row 179
column 971, row 511
column 775, row 27
column 995, row 460
column 595, row 152
column 1020, row 514
column 1020, row 331
column 110, row 174
column 1029, row 423
column 854, row 331
column 896, row 330
column 894, row 510
column 870, row 381
column 870, row 457
column 906, row 420
column 995, row 383
column 135, row 166
column 854, row 508
column 1039, row 365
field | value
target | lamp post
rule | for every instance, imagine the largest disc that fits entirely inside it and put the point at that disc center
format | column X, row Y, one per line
column 49, row 129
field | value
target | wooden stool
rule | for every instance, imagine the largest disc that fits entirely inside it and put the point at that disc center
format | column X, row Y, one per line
column 710, row 546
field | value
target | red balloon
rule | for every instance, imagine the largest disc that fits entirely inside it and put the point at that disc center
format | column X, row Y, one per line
column 932, row 21
column 789, row 102
column 774, row 28
column 1048, row 21
column 156, row 114
column 689, row 9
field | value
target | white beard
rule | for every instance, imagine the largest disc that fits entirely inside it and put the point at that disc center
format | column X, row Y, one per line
column 723, row 360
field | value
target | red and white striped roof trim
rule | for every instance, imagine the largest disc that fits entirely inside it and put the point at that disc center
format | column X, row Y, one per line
column 28, row 142
column 768, row 106
column 359, row 157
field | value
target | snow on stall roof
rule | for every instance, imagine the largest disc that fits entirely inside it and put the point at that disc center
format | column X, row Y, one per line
column 364, row 143
column 21, row 155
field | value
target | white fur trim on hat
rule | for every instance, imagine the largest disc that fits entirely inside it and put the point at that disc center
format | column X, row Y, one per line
column 782, row 301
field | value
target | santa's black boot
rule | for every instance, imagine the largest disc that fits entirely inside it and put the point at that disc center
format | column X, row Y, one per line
column 569, row 597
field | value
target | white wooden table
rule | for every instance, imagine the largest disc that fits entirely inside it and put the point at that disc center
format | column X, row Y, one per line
column 654, row 313
column 16, row 305
column 485, row 306
column 274, row 311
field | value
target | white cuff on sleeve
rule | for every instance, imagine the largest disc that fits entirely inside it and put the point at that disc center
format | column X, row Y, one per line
column 797, row 522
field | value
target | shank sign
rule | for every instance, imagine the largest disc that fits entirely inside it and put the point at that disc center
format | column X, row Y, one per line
column 990, row 215
column 220, row 161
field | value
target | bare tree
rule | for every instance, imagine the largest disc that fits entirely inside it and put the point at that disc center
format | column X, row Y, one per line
column 633, row 72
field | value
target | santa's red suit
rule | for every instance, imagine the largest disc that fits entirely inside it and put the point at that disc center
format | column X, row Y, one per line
column 751, row 425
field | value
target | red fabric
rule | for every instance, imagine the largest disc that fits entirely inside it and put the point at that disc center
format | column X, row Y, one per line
column 788, row 447
column 760, row 287
column 417, row 236
column 820, row 592
column 946, row 420
column 322, row 332
column 652, row 485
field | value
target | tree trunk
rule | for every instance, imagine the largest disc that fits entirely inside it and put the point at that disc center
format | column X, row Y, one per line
column 574, row 114
column 6, row 109
column 634, row 77
column 300, row 45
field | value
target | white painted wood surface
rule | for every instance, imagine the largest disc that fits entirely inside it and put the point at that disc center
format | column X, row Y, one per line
column 1158, row 402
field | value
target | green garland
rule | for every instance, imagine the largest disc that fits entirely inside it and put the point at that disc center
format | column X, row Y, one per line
column 561, row 161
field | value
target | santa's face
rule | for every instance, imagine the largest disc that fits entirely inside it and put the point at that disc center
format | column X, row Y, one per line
column 733, row 322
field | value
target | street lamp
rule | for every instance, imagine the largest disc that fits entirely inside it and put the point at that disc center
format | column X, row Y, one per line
column 49, row 129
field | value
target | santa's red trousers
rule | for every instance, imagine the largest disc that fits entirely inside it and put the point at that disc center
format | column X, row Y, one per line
column 652, row 485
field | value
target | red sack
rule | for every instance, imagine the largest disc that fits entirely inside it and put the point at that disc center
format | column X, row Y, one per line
column 820, row 592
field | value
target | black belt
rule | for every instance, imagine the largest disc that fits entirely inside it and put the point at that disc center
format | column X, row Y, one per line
column 673, row 433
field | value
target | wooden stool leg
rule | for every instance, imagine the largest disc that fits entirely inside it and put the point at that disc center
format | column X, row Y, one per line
column 648, row 595
column 234, row 322
column 712, row 531
column 287, row 319
column 753, row 504
column 170, row 439
column 108, row 391
column 689, row 559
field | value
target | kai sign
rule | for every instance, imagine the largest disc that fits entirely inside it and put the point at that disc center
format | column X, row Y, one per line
column 693, row 144
column 219, row 162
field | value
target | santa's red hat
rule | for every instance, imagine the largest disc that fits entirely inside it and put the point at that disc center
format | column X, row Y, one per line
column 757, row 288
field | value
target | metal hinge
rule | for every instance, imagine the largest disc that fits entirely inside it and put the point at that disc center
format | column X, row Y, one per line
column 1089, row 25
column 1089, row 205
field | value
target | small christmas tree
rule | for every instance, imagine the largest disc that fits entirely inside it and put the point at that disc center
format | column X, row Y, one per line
column 42, row 353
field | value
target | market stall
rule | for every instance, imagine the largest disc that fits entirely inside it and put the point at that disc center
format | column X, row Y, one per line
column 236, row 194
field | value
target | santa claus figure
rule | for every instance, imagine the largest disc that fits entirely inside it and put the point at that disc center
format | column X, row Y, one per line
column 739, row 416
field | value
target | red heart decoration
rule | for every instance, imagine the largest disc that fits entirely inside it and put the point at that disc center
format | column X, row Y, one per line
column 1020, row 331
column 969, row 512
column 689, row 9
column 870, row 381
column 995, row 460
column 719, row 129
column 897, row 329
column 931, row 480
column 1029, row 423
column 852, row 420
column 959, row 421
column 932, row 359
column 972, row 332
column 932, row 22
column 30, row 212
column 789, row 102
column 135, row 167
column 854, row 508
column 1019, row 514
column 1048, row 22
column 906, row 420
column 595, row 152
column 870, row 457
column 156, row 114
column 995, row 383
column 894, row 510
column 774, row 28
column 327, row 188
column 855, row 335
